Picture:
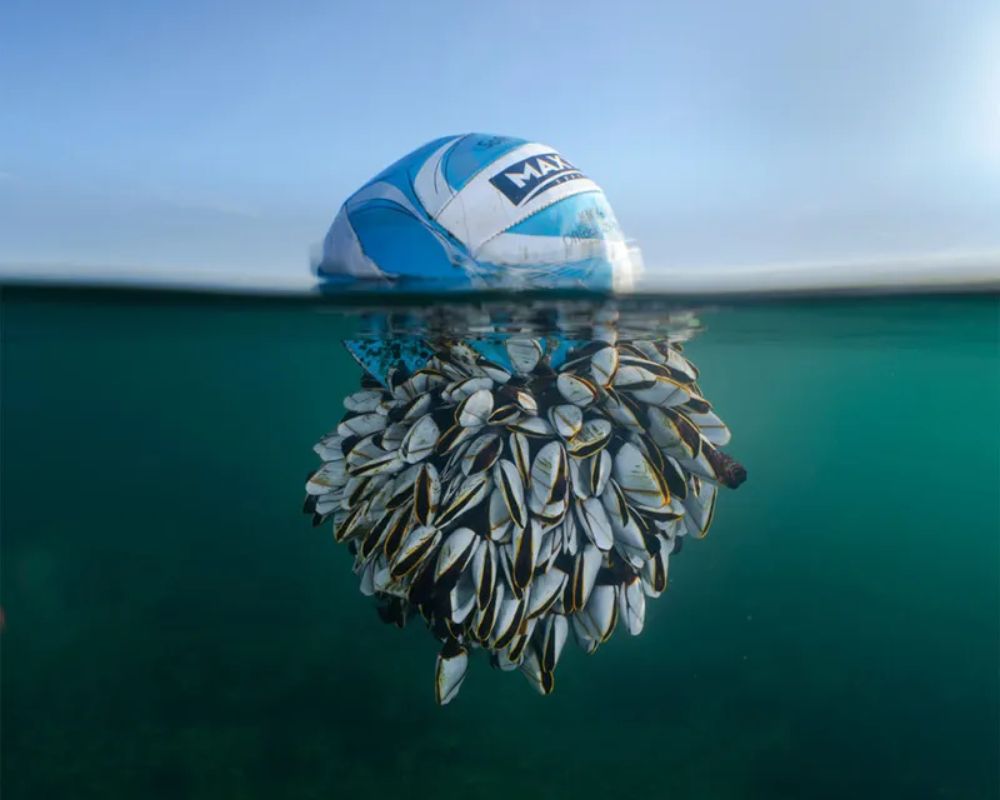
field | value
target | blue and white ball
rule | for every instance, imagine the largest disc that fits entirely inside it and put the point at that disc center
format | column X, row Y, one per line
column 479, row 210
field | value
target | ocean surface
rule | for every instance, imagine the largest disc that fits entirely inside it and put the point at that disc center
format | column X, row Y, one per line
column 174, row 627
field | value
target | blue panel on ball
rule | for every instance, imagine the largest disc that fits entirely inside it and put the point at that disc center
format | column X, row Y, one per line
column 471, row 153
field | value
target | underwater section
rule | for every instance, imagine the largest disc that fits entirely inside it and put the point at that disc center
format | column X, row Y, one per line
column 175, row 627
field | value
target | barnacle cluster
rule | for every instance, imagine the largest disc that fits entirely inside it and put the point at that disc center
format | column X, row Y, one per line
column 512, row 489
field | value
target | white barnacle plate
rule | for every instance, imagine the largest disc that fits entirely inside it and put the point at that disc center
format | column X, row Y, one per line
column 452, row 664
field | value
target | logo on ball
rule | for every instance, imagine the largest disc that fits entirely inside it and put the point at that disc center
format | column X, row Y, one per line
column 527, row 179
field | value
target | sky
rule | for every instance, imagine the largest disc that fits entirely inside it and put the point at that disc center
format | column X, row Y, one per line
column 224, row 136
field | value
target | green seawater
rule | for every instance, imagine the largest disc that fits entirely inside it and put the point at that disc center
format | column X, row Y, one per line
column 175, row 628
